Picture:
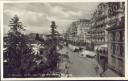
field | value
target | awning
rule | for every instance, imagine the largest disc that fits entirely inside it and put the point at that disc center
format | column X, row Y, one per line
column 101, row 47
column 96, row 48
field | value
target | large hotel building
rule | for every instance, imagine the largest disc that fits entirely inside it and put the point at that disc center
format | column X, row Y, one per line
column 106, row 31
column 116, row 30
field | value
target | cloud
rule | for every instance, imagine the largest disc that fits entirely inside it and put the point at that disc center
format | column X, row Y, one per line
column 29, row 17
column 37, row 29
column 51, row 18
column 37, row 16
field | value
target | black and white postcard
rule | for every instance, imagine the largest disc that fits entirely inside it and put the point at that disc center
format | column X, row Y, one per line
column 64, row 39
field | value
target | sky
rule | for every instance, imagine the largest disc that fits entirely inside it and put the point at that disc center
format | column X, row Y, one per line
column 36, row 17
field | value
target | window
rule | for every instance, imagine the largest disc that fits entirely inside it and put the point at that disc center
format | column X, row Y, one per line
column 118, row 5
column 121, row 36
column 113, row 62
column 117, row 37
column 120, row 65
column 117, row 50
column 103, row 51
column 114, row 49
column 111, row 49
column 123, row 5
column 113, row 36
column 110, row 36
column 121, row 50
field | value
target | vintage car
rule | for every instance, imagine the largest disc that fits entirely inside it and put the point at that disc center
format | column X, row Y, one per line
column 88, row 54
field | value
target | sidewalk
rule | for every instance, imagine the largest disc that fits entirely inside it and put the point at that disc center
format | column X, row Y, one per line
column 110, row 73
column 107, row 73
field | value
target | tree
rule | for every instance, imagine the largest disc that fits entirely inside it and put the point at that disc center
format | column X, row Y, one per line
column 18, row 52
column 53, row 55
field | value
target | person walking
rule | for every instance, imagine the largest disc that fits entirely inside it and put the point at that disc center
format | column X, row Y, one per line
column 97, row 69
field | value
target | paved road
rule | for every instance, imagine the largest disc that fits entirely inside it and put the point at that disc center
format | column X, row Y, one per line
column 81, row 67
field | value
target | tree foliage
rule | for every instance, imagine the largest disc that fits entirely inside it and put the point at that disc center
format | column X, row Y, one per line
column 21, row 61
column 18, row 51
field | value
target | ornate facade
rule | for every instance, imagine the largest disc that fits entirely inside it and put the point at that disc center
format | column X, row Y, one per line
column 99, row 34
column 82, row 30
column 116, row 29
column 107, row 27
column 78, row 31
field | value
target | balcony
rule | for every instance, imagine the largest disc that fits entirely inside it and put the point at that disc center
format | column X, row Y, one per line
column 120, row 10
column 117, row 56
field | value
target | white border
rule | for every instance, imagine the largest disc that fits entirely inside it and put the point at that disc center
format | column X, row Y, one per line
column 72, row 78
column 1, row 16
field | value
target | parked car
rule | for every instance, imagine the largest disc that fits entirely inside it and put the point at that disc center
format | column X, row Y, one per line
column 73, row 48
column 89, row 54
column 78, row 49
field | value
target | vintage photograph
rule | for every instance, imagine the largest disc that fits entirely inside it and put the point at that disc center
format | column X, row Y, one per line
column 63, row 39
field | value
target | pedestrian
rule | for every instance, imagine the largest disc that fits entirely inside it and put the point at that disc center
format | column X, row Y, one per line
column 97, row 69
column 101, row 74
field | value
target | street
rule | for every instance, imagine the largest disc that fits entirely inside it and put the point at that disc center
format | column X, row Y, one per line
column 80, row 67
